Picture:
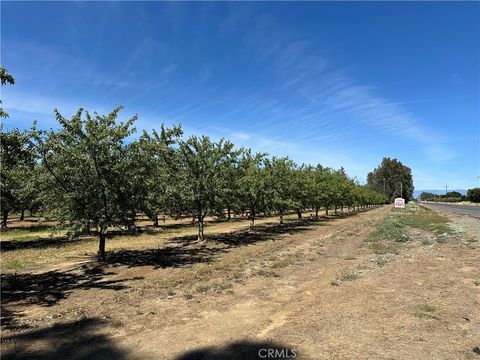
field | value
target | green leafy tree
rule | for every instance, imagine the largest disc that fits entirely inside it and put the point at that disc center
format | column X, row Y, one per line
column 201, row 181
column 18, row 162
column 453, row 195
column 282, row 185
column 394, row 177
column 473, row 195
column 90, row 182
column 299, row 189
column 229, row 197
column 156, row 163
column 5, row 78
column 427, row 196
column 316, row 188
column 254, row 189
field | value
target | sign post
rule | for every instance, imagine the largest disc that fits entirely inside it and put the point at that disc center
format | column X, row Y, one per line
column 400, row 203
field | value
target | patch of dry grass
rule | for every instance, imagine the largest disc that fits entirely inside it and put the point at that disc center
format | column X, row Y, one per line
column 427, row 312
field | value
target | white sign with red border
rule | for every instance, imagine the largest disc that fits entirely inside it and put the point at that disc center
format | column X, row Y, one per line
column 400, row 203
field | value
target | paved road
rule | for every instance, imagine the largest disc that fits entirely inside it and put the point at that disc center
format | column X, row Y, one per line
column 457, row 209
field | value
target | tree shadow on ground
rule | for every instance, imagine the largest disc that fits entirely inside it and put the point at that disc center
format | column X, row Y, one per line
column 173, row 256
column 190, row 251
column 39, row 243
column 47, row 289
column 251, row 236
column 36, row 226
column 75, row 340
column 243, row 350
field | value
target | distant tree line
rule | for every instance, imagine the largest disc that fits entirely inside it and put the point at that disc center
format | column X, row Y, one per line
column 472, row 195
column 92, row 174
column 452, row 196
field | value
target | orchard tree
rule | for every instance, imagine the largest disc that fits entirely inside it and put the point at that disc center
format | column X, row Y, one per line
column 201, row 181
column 282, row 185
column 229, row 198
column 254, row 185
column 90, row 179
column 18, row 163
column 299, row 188
column 316, row 188
column 155, row 159
column 5, row 78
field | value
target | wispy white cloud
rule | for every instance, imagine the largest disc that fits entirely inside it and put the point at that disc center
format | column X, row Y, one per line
column 310, row 92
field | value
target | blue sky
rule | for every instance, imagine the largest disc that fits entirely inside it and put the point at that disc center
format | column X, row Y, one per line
column 341, row 84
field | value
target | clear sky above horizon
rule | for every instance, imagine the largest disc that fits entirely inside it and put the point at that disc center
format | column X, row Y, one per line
column 341, row 84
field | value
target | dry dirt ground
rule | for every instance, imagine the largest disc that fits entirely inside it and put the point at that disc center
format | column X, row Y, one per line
column 311, row 290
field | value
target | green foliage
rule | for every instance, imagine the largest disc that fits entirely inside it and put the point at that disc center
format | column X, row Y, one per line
column 452, row 196
column 473, row 195
column 253, row 184
column 285, row 193
column 392, row 179
column 156, row 164
column 200, row 177
column 18, row 175
column 5, row 78
column 90, row 179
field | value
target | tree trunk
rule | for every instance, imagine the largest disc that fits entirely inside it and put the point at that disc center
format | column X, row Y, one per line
column 326, row 210
column 229, row 215
column 252, row 218
column 336, row 209
column 101, row 246
column 342, row 208
column 4, row 218
column 281, row 217
column 155, row 220
column 316, row 213
column 200, row 230
column 299, row 214
column 22, row 215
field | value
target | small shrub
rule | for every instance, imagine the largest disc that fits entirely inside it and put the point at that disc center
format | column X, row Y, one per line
column 335, row 282
column 281, row 263
column 219, row 287
column 346, row 275
column 267, row 273
column 441, row 238
column 202, row 288
column 380, row 262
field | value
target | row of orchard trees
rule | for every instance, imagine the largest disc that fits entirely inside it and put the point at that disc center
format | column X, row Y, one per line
column 91, row 173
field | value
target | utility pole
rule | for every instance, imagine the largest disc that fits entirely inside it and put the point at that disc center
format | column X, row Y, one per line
column 401, row 189
column 446, row 190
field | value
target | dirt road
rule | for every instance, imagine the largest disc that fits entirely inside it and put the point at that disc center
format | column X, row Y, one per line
column 321, row 293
